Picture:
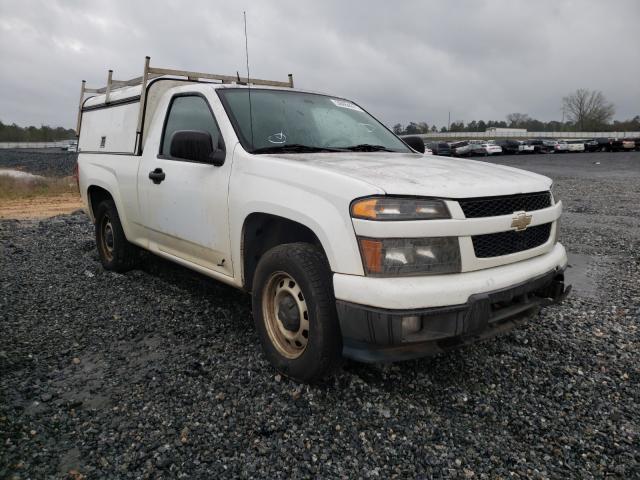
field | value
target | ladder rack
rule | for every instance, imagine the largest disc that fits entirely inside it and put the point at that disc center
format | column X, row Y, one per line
column 149, row 73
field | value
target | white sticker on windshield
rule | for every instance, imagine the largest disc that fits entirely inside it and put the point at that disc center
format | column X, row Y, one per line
column 345, row 104
column 277, row 138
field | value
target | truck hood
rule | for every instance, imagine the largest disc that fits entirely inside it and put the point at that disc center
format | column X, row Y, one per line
column 434, row 176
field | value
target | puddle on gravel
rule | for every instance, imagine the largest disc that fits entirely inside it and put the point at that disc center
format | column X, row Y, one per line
column 70, row 461
column 585, row 272
column 88, row 384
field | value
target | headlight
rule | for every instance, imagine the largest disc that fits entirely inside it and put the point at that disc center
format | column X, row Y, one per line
column 410, row 256
column 555, row 198
column 398, row 208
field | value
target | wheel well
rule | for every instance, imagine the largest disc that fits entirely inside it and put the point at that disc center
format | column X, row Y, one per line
column 96, row 196
column 262, row 232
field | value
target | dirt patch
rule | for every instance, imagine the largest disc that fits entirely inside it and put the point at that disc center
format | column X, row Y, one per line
column 40, row 207
column 17, row 185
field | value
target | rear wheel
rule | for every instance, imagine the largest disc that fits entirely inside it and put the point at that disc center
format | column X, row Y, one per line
column 294, row 312
column 115, row 251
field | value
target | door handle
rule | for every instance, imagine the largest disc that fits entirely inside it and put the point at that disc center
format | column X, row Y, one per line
column 157, row 175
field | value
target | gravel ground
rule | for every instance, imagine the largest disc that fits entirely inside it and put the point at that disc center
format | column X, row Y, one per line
column 158, row 372
column 49, row 162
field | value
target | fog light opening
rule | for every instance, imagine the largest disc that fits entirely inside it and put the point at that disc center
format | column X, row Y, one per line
column 411, row 324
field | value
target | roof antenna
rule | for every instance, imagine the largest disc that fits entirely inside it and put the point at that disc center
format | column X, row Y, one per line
column 246, row 51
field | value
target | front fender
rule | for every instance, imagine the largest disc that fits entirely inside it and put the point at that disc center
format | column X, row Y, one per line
column 334, row 232
column 322, row 212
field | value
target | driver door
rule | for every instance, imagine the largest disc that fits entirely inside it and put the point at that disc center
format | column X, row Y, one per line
column 184, row 202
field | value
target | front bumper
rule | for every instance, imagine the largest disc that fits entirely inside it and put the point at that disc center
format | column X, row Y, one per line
column 376, row 335
column 450, row 310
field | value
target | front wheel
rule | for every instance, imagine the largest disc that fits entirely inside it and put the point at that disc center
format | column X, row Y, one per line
column 294, row 312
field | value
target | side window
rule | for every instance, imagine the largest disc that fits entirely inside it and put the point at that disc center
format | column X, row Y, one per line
column 189, row 113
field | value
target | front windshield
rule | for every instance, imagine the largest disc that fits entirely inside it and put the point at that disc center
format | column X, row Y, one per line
column 295, row 122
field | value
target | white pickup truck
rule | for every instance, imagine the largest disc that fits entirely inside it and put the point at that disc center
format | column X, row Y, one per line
column 351, row 242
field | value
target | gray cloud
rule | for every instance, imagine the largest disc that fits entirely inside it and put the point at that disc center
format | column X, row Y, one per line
column 401, row 60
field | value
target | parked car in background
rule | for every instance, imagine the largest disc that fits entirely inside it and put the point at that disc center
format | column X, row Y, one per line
column 460, row 149
column 616, row 144
column 509, row 147
column 427, row 151
column 72, row 146
column 515, row 147
column 542, row 145
column 591, row 145
column 575, row 146
column 605, row 144
column 628, row 144
column 524, row 147
column 561, row 146
column 439, row 148
column 485, row 149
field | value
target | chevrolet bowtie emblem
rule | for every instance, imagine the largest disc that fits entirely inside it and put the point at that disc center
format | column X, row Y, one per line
column 520, row 221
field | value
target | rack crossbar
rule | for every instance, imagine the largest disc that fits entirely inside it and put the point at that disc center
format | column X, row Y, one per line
column 150, row 73
column 222, row 78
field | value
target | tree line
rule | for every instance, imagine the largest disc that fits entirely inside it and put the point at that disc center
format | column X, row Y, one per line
column 585, row 110
column 532, row 125
column 45, row 133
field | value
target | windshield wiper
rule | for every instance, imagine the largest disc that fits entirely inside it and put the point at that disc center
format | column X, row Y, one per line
column 365, row 147
column 295, row 148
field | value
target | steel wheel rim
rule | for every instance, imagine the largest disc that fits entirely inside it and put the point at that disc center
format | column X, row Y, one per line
column 106, row 237
column 282, row 303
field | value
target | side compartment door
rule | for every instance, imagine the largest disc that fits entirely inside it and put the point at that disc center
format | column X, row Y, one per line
column 184, row 201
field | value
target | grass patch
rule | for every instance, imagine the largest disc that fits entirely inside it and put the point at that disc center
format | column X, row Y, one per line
column 16, row 188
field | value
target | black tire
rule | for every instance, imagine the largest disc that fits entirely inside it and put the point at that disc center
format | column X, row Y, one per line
column 307, row 268
column 115, row 251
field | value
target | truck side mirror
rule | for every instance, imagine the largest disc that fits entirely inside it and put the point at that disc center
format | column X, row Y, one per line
column 415, row 142
column 195, row 145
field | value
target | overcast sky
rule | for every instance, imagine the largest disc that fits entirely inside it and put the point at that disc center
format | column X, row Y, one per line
column 404, row 61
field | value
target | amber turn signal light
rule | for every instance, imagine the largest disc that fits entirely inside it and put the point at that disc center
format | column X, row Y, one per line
column 371, row 254
column 365, row 208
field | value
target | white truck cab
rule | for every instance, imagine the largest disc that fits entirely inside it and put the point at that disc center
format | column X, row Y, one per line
column 351, row 242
